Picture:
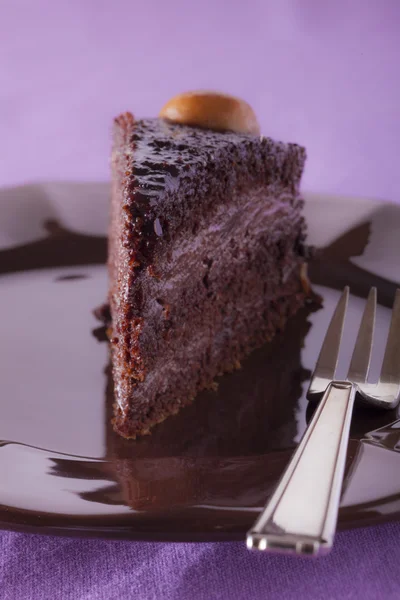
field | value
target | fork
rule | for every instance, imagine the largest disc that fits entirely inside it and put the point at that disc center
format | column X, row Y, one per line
column 302, row 513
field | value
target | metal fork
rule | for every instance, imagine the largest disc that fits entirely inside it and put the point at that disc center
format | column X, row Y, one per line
column 301, row 515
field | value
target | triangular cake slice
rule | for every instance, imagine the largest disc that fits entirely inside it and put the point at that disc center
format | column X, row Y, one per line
column 206, row 259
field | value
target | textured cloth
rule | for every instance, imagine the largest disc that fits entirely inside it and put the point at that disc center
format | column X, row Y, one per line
column 324, row 74
column 363, row 565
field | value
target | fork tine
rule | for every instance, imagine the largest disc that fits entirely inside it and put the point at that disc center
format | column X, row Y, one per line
column 328, row 356
column 390, row 372
column 359, row 365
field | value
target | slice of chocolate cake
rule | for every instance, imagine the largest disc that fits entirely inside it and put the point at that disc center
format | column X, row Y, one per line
column 206, row 257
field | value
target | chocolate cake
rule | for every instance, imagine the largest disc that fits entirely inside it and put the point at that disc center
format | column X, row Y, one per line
column 206, row 259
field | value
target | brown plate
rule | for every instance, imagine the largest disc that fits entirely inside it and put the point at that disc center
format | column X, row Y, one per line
column 204, row 474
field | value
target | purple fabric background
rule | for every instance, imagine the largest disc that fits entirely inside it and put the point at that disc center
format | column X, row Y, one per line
column 317, row 72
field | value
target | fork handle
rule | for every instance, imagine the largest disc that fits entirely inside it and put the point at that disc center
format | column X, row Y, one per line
column 301, row 515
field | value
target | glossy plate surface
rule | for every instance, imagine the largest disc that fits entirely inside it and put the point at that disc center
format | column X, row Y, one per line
column 204, row 474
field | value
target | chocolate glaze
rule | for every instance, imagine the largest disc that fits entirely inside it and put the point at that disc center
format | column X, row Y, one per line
column 223, row 480
column 59, row 248
column 70, row 277
column 343, row 272
column 154, row 157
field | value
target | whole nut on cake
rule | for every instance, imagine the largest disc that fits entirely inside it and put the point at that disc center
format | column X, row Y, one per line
column 211, row 110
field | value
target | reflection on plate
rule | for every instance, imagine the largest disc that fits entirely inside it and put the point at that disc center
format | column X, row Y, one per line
column 204, row 474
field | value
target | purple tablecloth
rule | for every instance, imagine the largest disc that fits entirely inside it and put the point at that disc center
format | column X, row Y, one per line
column 363, row 565
column 321, row 73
